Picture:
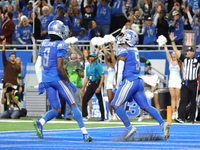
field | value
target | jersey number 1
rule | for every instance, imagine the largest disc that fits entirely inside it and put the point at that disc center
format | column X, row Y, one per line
column 46, row 57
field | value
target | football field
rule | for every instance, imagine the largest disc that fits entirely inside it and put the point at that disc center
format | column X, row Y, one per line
column 107, row 135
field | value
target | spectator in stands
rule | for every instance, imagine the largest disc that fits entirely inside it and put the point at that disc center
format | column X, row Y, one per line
column 175, row 67
column 27, row 9
column 24, row 33
column 177, row 8
column 177, row 26
column 92, row 31
column 14, row 103
column 55, row 5
column 73, row 5
column 150, row 33
column 62, row 17
column 38, row 7
column 45, row 20
column 1, row 18
column 146, row 8
column 75, row 72
column 37, row 26
column 87, row 14
column 7, row 28
column 103, row 17
column 110, row 62
column 139, row 21
column 157, row 7
column 14, row 10
column 23, row 73
column 10, row 8
column 76, row 22
column 195, row 24
column 187, row 25
column 95, row 77
column 162, row 25
column 82, row 35
column 118, row 19
column 131, row 25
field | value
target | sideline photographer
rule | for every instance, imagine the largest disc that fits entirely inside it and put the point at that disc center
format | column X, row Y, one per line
column 14, row 104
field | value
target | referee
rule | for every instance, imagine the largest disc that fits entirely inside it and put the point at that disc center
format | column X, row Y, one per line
column 190, row 82
column 95, row 77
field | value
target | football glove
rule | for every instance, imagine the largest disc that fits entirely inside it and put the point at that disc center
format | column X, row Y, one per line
column 40, row 88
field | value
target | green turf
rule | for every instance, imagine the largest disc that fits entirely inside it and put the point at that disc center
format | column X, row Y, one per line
column 28, row 126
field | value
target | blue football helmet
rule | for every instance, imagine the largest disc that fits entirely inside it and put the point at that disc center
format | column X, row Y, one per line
column 129, row 37
column 58, row 28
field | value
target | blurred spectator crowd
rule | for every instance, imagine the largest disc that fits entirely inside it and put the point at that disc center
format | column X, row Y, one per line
column 21, row 20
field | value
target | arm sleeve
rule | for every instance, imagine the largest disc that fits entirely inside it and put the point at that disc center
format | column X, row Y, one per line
column 38, row 69
column 120, row 70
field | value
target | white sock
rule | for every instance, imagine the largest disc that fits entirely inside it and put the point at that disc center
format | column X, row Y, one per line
column 83, row 129
column 42, row 121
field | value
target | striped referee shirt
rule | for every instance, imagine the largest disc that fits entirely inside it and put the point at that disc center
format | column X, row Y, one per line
column 190, row 67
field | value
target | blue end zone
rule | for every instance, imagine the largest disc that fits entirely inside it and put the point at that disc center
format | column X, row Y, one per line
column 181, row 137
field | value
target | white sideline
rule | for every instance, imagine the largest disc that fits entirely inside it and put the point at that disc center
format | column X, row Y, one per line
column 147, row 123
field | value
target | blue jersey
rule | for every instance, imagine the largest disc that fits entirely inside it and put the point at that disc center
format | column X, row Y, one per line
column 103, row 15
column 27, row 12
column 178, row 28
column 76, row 25
column 89, row 35
column 25, row 34
column 55, row 9
column 66, row 21
column 132, row 63
column 150, row 34
column 117, row 7
column 50, row 51
column 82, row 38
column 45, row 21
column 196, row 28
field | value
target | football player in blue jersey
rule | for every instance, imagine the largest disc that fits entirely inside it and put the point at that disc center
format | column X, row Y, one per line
column 54, row 78
column 128, row 84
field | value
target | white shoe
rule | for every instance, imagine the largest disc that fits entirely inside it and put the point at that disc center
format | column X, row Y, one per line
column 173, row 116
column 130, row 133
column 115, row 117
column 111, row 117
column 90, row 115
column 85, row 119
column 166, row 130
column 140, row 118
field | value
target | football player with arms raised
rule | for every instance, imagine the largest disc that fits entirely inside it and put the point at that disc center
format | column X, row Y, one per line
column 128, row 84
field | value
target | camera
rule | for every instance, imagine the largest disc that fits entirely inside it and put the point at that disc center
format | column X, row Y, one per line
column 9, row 89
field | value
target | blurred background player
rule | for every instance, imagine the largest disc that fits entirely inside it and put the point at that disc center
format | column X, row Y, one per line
column 54, row 78
column 128, row 84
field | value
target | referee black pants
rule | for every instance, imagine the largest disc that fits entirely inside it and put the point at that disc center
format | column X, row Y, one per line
column 188, row 94
column 88, row 95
